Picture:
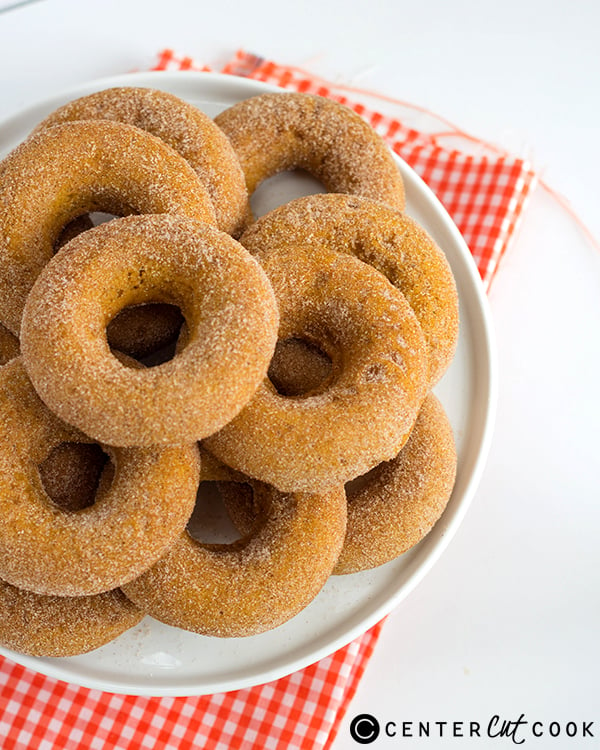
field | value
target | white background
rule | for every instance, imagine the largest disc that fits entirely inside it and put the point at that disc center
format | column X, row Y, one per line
column 506, row 623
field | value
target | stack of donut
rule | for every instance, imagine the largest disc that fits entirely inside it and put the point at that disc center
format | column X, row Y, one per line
column 289, row 358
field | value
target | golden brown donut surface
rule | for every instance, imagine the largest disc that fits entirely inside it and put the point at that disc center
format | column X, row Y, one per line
column 185, row 128
column 70, row 169
column 397, row 504
column 362, row 414
column 392, row 242
column 135, row 518
column 256, row 583
column 62, row 625
column 275, row 132
column 226, row 300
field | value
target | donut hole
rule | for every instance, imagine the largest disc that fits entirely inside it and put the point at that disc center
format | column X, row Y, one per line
column 210, row 523
column 80, row 224
column 283, row 188
column 355, row 486
column 71, row 474
column 71, row 229
column 148, row 333
column 299, row 367
column 101, row 217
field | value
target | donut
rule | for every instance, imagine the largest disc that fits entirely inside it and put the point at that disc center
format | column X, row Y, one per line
column 62, row 625
column 225, row 298
column 392, row 242
column 142, row 506
column 396, row 504
column 139, row 331
column 68, row 170
column 362, row 414
column 185, row 128
column 9, row 345
column 275, row 132
column 399, row 501
column 255, row 583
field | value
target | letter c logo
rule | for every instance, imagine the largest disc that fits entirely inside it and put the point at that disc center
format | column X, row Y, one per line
column 364, row 729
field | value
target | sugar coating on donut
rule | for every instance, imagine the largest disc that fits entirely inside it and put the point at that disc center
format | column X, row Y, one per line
column 60, row 626
column 397, row 503
column 226, row 300
column 257, row 583
column 68, row 170
column 182, row 126
column 379, row 376
column 275, row 132
column 392, row 242
column 52, row 551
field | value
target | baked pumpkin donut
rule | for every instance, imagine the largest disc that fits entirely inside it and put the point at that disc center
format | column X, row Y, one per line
column 225, row 298
column 397, row 503
column 391, row 242
column 275, row 132
column 62, row 625
column 142, row 507
column 362, row 414
column 185, row 128
column 63, row 172
column 394, row 506
column 255, row 583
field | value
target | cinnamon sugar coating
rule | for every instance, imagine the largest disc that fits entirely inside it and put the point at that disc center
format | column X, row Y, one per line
column 362, row 414
column 140, row 509
column 397, row 504
column 256, row 583
column 182, row 126
column 275, row 132
column 71, row 169
column 226, row 300
column 388, row 240
column 62, row 625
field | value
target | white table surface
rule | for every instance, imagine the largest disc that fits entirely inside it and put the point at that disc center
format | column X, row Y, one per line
column 506, row 623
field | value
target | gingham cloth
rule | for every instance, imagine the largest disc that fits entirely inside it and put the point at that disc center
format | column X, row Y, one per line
column 485, row 193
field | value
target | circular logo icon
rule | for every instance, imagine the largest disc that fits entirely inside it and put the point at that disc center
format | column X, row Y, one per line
column 364, row 729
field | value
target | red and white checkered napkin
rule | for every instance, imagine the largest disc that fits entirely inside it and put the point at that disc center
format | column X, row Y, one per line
column 485, row 193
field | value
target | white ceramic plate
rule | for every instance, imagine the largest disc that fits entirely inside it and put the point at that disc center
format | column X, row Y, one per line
column 154, row 659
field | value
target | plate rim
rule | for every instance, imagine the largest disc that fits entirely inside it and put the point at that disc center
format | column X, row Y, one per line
column 59, row 668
